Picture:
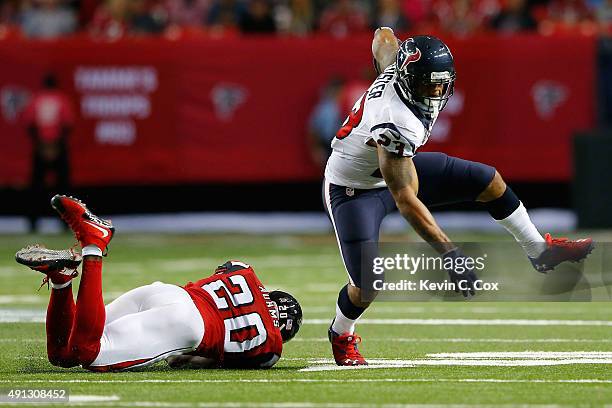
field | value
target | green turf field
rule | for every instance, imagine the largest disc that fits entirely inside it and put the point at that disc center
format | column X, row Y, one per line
column 427, row 369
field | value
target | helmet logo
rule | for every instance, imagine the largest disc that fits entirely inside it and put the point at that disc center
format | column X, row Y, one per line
column 408, row 53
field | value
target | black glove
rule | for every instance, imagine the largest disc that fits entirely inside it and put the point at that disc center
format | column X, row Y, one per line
column 460, row 274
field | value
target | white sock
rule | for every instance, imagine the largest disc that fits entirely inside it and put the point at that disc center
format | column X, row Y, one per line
column 60, row 285
column 522, row 229
column 91, row 250
column 343, row 324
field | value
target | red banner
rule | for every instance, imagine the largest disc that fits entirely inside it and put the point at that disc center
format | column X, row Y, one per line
column 203, row 110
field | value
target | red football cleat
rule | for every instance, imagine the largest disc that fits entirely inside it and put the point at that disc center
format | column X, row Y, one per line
column 59, row 265
column 88, row 229
column 345, row 349
column 560, row 250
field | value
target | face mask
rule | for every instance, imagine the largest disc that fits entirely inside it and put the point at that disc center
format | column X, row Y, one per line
column 428, row 106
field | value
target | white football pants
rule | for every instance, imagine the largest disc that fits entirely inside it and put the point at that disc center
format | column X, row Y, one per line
column 148, row 324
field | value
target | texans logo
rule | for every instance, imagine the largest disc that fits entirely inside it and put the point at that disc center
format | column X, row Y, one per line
column 410, row 53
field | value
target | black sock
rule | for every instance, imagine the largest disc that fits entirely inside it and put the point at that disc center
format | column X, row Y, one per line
column 347, row 307
column 503, row 206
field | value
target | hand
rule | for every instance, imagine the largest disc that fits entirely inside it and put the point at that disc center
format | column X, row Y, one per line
column 189, row 361
column 462, row 276
column 384, row 48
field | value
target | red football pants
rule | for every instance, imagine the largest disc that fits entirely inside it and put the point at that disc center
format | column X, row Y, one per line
column 139, row 328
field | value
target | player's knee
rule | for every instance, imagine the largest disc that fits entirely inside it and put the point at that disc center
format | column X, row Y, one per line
column 482, row 174
column 63, row 363
column 486, row 181
column 493, row 190
column 84, row 353
column 497, row 180
column 61, row 360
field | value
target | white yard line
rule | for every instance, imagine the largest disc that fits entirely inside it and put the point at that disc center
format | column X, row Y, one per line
column 453, row 340
column 91, row 398
column 526, row 354
column 30, row 358
column 73, row 399
column 484, row 359
column 457, row 363
column 237, row 404
column 38, row 316
column 403, row 308
column 311, row 380
column 22, row 316
column 472, row 322
column 21, row 299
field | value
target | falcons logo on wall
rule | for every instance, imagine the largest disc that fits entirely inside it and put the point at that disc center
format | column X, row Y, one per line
column 13, row 100
column 226, row 99
column 548, row 96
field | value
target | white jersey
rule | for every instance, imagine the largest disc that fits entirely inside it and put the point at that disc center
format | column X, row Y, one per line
column 383, row 115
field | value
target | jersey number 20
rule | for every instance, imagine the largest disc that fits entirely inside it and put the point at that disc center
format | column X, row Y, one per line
column 243, row 332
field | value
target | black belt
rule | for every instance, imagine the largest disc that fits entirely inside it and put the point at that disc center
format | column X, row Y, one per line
column 351, row 192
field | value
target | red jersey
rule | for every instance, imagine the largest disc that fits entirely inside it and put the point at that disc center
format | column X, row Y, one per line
column 241, row 327
column 49, row 111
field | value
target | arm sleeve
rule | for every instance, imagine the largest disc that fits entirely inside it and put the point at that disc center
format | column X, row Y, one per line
column 395, row 139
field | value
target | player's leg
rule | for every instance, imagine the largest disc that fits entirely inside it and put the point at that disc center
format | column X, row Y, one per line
column 167, row 324
column 130, row 302
column 59, row 266
column 356, row 218
column 508, row 211
column 172, row 319
column 93, row 234
column 134, row 301
column 89, row 314
column 445, row 179
column 59, row 320
column 544, row 252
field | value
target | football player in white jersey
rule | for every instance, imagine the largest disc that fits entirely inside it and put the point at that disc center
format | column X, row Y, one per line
column 374, row 170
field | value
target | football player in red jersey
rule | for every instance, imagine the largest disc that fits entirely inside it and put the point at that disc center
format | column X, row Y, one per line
column 226, row 320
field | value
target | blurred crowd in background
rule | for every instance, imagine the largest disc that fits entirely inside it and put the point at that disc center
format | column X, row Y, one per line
column 113, row 19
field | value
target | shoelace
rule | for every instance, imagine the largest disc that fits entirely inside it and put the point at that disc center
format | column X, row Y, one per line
column 351, row 347
column 46, row 279
column 552, row 241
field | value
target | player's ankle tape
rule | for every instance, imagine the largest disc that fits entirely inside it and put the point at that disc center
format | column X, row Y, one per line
column 91, row 250
column 60, row 285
